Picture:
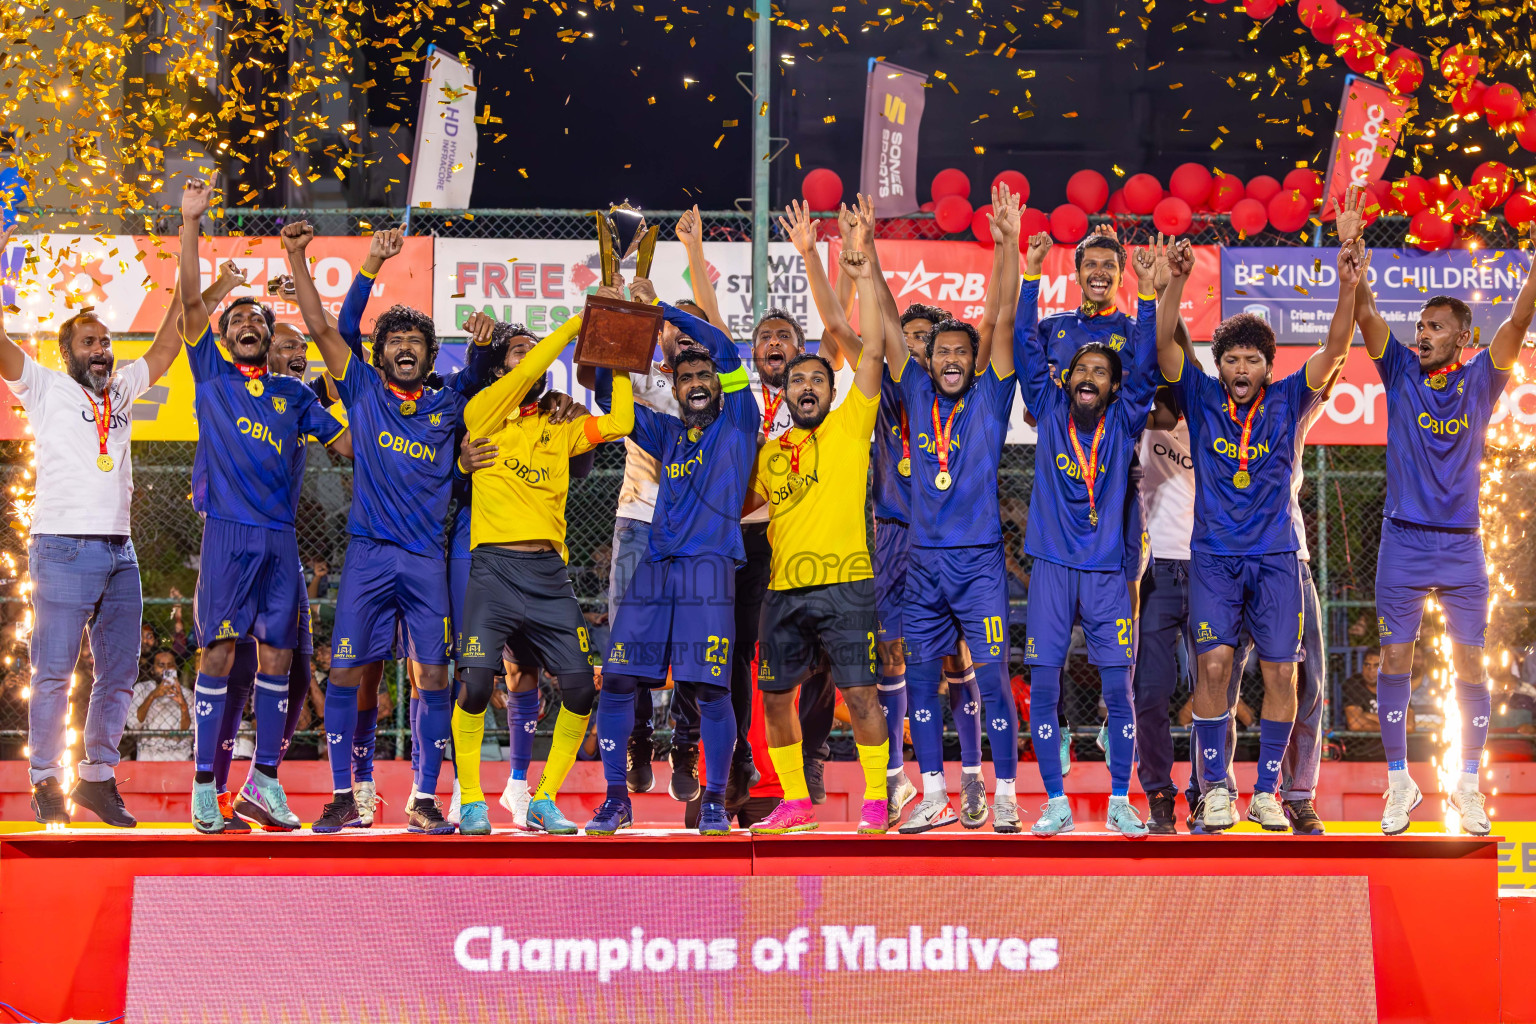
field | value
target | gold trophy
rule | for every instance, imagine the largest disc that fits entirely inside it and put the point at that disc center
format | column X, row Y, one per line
column 616, row 334
column 621, row 232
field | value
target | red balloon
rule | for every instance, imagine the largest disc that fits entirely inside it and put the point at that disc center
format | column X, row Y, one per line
column 952, row 214
column 822, row 189
column 1459, row 64
column 1525, row 134
column 1440, row 188
column 1404, row 72
column 1258, row 10
column 1191, row 183
column 1462, row 207
column 1289, row 210
column 1016, row 182
column 1431, row 231
column 1374, row 207
column 1263, row 188
column 1410, row 194
column 1491, row 183
column 1088, row 191
column 1116, row 206
column 981, row 230
column 1250, row 217
column 1142, row 193
column 1319, row 15
column 1306, row 181
column 1468, row 100
column 1032, row 222
column 1068, row 224
column 925, row 228
column 1520, row 208
column 1172, row 216
column 1502, row 104
column 1348, row 35
column 1226, row 192
column 951, row 181
column 1366, row 53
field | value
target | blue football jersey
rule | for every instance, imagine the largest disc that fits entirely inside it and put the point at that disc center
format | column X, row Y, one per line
column 1435, row 436
column 892, row 491
column 1060, row 528
column 249, row 465
column 966, row 514
column 1062, row 334
column 1252, row 520
column 704, row 478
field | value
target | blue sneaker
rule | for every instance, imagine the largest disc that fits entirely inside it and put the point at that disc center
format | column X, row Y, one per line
column 206, row 816
column 1123, row 819
column 263, row 801
column 1055, row 818
column 713, row 821
column 544, row 816
column 475, row 819
column 612, row 816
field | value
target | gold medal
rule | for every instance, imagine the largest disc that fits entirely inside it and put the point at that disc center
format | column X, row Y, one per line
column 1241, row 479
column 694, row 433
column 104, row 463
column 254, row 386
column 943, row 480
column 904, row 467
column 407, row 407
column 793, row 480
column 1437, row 381
column 1093, row 517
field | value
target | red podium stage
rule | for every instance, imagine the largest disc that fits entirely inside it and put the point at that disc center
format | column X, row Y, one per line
column 67, row 902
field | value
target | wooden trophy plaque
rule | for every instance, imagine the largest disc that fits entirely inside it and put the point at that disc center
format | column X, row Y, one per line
column 618, row 335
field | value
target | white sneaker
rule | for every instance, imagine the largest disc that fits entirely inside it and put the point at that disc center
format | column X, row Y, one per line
column 1401, row 800
column 1219, row 813
column 1266, row 812
column 1474, row 817
column 899, row 791
column 453, row 805
column 366, row 796
column 515, row 798
column 932, row 813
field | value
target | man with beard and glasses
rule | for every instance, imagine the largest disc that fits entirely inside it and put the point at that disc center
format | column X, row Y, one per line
column 1244, row 431
column 821, row 594
column 1438, row 408
column 79, row 555
column 395, row 580
column 245, row 480
column 956, row 574
column 1089, row 423
column 679, row 610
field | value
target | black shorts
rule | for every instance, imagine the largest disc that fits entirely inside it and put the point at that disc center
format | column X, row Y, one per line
column 799, row 626
column 523, row 601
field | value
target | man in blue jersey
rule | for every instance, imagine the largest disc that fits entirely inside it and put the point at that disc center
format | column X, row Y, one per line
column 1244, row 573
column 678, row 611
column 394, row 582
column 1438, row 407
column 243, row 482
column 1090, row 422
column 956, row 573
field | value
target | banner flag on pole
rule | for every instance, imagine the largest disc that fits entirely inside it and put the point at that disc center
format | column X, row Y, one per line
column 443, row 166
column 1371, row 119
column 893, row 109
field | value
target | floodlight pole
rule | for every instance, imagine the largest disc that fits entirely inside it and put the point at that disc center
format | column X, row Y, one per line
column 762, row 68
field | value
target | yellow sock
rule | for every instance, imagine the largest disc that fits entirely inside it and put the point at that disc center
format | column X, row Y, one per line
column 874, row 760
column 790, row 764
column 468, row 735
column 570, row 730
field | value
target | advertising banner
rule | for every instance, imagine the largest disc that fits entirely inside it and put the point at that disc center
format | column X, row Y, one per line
column 893, row 111
column 1371, row 118
column 758, row 948
column 443, row 172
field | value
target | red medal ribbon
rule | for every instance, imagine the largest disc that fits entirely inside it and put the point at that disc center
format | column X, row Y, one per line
column 1089, row 468
column 1247, row 434
column 941, row 433
column 906, row 436
column 103, row 415
column 771, row 405
column 251, row 372
column 409, row 396
column 1442, row 374
column 794, row 449
column 528, row 410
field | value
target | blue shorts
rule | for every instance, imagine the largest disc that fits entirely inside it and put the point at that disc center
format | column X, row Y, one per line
column 458, row 583
column 1059, row 597
column 384, row 586
column 1416, row 561
column 1138, row 546
column 1259, row 593
column 306, row 622
column 890, row 577
column 953, row 593
column 678, row 613
column 249, row 582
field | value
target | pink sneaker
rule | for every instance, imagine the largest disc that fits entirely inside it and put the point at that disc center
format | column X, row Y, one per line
column 789, row 816
column 873, row 821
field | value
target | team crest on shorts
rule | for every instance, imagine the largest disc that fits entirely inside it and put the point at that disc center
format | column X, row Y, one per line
column 226, row 631
column 344, row 647
column 280, row 404
column 1203, row 635
column 617, row 655
column 472, row 648
column 1029, row 648
column 1381, row 627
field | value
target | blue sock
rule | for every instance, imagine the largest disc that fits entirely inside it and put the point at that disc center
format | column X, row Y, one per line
column 298, row 691
column 1002, row 717
column 208, row 699
column 271, row 715
column 615, row 721
column 1476, row 707
column 363, row 743
column 965, row 708
column 415, row 735
column 340, row 726
column 893, row 703
column 1393, row 692
column 1044, row 691
column 718, row 731
column 522, row 719
column 926, row 712
column 436, row 727
column 1273, row 737
column 1120, row 725
column 1210, row 738
column 242, row 676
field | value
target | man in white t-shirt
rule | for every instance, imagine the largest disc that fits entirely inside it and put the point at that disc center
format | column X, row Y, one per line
column 81, row 560
column 162, row 703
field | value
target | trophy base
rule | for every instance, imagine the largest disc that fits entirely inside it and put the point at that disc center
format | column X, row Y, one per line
column 618, row 335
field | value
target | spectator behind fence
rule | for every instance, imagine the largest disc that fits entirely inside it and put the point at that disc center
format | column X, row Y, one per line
column 1360, row 708
column 161, row 702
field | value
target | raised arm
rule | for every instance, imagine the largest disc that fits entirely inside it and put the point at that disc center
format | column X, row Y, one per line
column 1504, row 349
column 871, row 358
column 690, row 231
column 837, row 340
column 715, row 339
column 230, row 277
column 382, row 246
column 333, row 348
column 1004, row 222
column 1349, row 223
column 195, row 197
column 1181, row 263
column 1325, row 362
column 162, row 351
column 12, row 358
column 488, row 410
column 618, row 422
column 1140, row 377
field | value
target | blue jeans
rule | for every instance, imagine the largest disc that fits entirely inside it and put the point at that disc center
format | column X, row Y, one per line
column 80, row 583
